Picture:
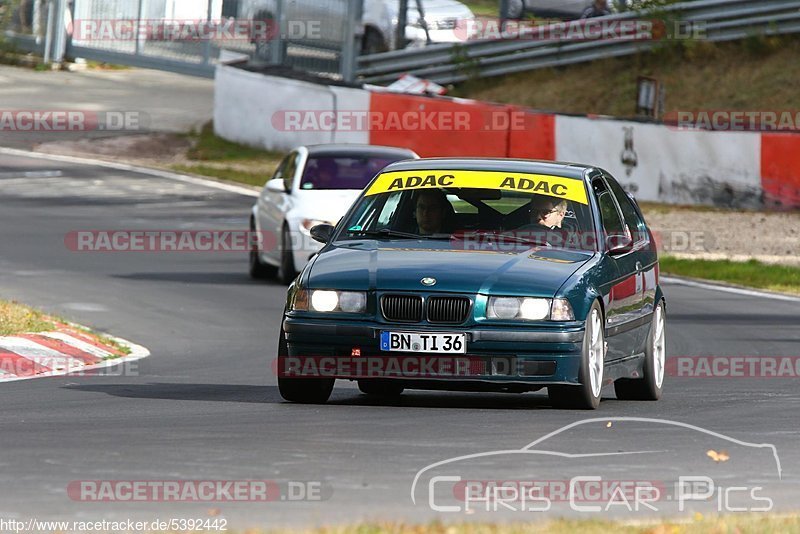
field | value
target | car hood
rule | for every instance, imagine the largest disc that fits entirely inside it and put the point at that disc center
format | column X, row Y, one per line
column 400, row 265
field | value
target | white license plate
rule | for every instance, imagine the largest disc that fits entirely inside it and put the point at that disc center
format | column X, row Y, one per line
column 437, row 342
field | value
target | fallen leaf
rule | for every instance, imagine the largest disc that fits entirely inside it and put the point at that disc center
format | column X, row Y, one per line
column 720, row 456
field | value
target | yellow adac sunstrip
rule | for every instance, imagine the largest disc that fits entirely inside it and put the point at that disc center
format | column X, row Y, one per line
column 535, row 184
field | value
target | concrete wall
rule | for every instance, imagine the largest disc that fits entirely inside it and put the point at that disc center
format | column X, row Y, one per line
column 654, row 161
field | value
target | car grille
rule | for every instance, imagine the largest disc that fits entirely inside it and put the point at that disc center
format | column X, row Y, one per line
column 451, row 310
column 407, row 308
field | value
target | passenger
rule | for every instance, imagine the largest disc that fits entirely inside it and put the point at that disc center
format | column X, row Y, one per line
column 599, row 8
column 547, row 215
column 548, row 212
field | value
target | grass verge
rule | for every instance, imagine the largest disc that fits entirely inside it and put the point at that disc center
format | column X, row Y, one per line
column 737, row 524
column 751, row 273
column 17, row 318
column 755, row 73
column 216, row 157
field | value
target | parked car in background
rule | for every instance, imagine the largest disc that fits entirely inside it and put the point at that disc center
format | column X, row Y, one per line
column 380, row 21
column 562, row 9
column 565, row 9
column 312, row 185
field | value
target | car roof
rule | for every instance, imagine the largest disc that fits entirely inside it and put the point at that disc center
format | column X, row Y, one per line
column 553, row 168
column 345, row 150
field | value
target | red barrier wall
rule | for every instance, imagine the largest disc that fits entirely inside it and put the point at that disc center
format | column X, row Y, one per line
column 536, row 139
column 476, row 127
column 780, row 169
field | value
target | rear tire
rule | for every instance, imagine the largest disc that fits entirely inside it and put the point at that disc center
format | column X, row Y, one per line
column 585, row 396
column 387, row 389
column 301, row 390
column 286, row 272
column 650, row 386
column 373, row 43
column 258, row 269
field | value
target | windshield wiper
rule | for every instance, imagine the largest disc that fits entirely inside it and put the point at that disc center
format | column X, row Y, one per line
column 387, row 232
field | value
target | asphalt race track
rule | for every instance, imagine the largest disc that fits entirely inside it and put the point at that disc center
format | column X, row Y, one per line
column 205, row 406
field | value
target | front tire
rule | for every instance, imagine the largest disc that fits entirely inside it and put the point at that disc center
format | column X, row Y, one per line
column 258, row 269
column 650, row 386
column 286, row 272
column 301, row 390
column 585, row 396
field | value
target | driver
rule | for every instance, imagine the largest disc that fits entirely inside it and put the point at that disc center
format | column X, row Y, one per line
column 431, row 210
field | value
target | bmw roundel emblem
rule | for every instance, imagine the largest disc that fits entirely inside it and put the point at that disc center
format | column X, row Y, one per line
column 427, row 281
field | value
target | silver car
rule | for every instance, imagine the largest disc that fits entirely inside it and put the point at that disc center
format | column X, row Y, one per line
column 442, row 18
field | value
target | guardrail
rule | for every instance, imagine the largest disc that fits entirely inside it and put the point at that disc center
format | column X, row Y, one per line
column 719, row 20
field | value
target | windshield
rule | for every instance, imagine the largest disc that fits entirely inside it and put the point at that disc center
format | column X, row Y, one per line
column 343, row 172
column 508, row 212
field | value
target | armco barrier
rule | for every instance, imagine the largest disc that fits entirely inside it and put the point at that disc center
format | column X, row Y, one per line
column 654, row 161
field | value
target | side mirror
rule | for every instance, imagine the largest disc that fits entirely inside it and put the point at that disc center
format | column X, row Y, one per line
column 618, row 244
column 322, row 232
column 276, row 186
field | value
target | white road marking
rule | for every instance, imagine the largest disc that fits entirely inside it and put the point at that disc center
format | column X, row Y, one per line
column 19, row 176
column 134, row 168
column 85, row 306
column 728, row 289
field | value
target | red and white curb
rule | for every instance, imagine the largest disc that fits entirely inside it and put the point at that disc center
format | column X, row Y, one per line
column 63, row 351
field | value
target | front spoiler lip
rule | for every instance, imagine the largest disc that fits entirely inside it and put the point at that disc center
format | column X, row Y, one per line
column 308, row 327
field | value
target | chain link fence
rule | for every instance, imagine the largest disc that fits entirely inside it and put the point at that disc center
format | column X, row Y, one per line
column 317, row 36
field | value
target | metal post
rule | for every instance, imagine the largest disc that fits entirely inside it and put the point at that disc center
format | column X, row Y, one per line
column 421, row 12
column 207, row 44
column 60, row 31
column 139, row 37
column 277, row 45
column 402, row 22
column 504, row 6
column 48, row 34
column 354, row 32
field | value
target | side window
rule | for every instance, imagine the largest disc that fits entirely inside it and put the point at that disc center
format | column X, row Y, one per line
column 389, row 208
column 632, row 219
column 289, row 170
column 612, row 224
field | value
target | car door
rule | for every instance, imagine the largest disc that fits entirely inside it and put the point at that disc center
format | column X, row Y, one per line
column 644, row 253
column 274, row 204
column 624, row 301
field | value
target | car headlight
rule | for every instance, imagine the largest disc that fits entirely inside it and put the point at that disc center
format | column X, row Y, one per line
column 326, row 300
column 529, row 309
column 307, row 224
